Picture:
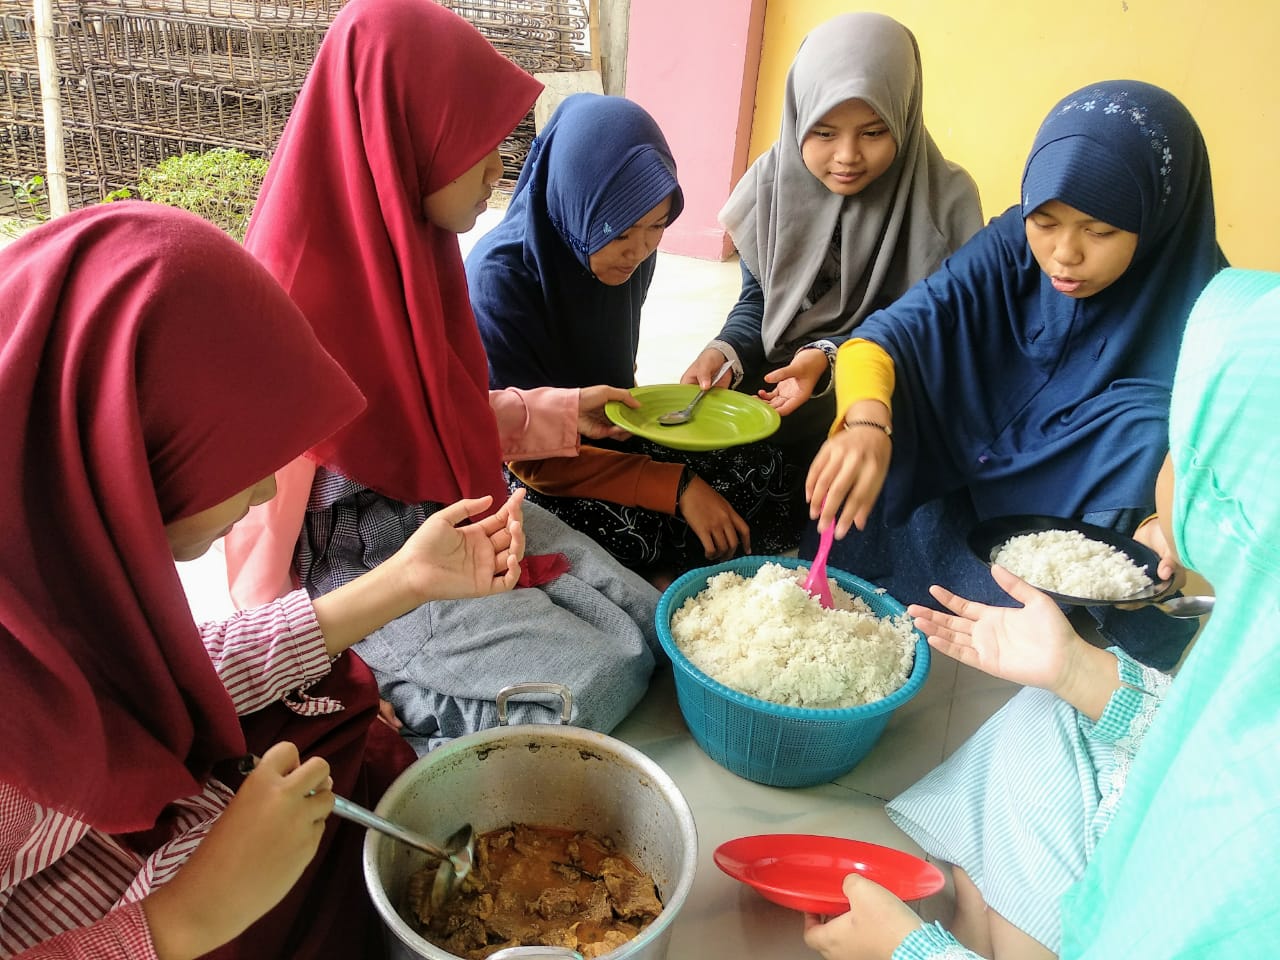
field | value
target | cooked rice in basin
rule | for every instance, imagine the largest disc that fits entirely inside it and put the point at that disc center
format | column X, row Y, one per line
column 1069, row 563
column 765, row 636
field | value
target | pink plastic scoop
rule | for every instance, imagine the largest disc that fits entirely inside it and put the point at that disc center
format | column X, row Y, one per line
column 816, row 582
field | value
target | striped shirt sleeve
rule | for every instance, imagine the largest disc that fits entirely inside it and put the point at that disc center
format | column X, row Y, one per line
column 1123, row 725
column 122, row 934
column 931, row 942
column 1129, row 711
column 269, row 653
column 75, row 892
column 67, row 891
column 60, row 887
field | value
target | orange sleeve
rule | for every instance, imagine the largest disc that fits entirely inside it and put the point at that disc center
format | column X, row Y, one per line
column 629, row 479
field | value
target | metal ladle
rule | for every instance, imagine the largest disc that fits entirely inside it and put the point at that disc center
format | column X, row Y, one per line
column 456, row 857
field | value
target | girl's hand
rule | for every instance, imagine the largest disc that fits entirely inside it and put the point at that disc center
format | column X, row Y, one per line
column 593, row 423
column 445, row 561
column 847, row 476
column 877, row 922
column 795, row 381
column 719, row 527
column 1151, row 534
column 253, row 855
column 440, row 561
column 704, row 367
column 387, row 715
column 1033, row 645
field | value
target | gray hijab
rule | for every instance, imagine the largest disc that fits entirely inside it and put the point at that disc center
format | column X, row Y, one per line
column 895, row 232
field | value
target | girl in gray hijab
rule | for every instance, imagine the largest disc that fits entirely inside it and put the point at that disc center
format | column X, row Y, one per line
column 851, row 205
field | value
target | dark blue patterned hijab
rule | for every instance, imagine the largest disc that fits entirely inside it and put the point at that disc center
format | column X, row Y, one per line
column 599, row 165
column 1037, row 402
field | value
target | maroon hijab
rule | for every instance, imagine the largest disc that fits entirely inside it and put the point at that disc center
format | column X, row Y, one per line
column 404, row 97
column 149, row 369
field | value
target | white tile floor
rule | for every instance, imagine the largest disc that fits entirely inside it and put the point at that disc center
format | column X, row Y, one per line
column 723, row 920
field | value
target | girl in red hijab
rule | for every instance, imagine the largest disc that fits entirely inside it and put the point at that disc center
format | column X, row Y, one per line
column 153, row 376
column 390, row 152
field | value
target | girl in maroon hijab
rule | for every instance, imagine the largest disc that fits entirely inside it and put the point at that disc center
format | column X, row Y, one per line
column 153, row 376
column 390, row 152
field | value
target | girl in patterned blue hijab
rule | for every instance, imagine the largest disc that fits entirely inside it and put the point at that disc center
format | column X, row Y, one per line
column 1108, row 810
column 1026, row 377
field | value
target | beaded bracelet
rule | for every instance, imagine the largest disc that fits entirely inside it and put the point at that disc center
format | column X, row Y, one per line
column 888, row 430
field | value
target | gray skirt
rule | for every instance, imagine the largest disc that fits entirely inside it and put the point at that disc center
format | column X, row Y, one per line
column 591, row 629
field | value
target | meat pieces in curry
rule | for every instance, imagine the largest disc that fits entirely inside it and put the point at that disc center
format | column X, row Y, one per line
column 534, row 885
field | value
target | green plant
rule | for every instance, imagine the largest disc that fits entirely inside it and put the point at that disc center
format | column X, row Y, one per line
column 30, row 196
column 219, row 185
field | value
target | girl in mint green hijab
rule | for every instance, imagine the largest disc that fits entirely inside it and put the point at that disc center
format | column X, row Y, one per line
column 1180, row 845
column 1188, row 866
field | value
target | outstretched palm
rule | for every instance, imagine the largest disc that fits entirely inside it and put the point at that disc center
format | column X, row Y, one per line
column 451, row 559
column 1032, row 644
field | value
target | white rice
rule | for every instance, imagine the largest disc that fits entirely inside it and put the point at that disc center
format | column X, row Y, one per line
column 766, row 637
column 1069, row 563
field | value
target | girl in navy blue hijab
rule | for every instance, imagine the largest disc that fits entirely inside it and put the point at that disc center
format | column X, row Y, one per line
column 557, row 288
column 1032, row 372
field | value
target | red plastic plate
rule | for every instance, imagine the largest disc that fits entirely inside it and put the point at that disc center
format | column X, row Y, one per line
column 804, row 872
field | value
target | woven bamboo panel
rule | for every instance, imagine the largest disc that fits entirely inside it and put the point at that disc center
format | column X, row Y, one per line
column 80, row 193
column 305, row 12
column 516, row 148
column 250, row 119
column 125, row 152
column 540, row 35
column 22, row 152
column 240, row 53
column 20, row 97
column 143, row 80
column 18, row 43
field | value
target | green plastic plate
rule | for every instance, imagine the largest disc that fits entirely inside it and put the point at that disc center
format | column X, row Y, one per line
column 724, row 418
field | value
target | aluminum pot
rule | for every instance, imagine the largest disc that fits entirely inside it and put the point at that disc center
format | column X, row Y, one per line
column 540, row 774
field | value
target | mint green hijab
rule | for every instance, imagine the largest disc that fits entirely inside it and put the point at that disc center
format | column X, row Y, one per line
column 1190, row 864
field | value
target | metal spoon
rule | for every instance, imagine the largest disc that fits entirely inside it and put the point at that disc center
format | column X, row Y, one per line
column 456, row 857
column 1183, row 608
column 677, row 417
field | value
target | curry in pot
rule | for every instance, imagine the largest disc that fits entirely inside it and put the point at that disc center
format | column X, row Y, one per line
column 534, row 885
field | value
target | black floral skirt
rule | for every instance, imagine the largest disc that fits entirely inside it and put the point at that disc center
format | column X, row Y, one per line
column 754, row 479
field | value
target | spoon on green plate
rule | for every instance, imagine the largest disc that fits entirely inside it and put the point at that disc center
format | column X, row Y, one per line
column 677, row 417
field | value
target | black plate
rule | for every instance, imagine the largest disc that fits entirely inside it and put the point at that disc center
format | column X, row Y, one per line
column 990, row 534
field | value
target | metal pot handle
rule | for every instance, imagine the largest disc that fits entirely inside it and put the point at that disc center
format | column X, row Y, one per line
column 566, row 712
column 535, row 953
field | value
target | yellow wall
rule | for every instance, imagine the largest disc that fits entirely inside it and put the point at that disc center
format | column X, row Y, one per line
column 993, row 68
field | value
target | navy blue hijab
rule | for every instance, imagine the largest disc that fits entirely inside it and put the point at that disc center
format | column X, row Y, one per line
column 1034, row 401
column 599, row 165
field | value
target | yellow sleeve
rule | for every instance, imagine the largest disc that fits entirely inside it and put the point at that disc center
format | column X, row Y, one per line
column 864, row 371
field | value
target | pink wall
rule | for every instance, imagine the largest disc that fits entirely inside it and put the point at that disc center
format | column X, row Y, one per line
column 692, row 64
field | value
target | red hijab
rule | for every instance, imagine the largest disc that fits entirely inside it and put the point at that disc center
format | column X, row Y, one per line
column 404, row 97
column 149, row 369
